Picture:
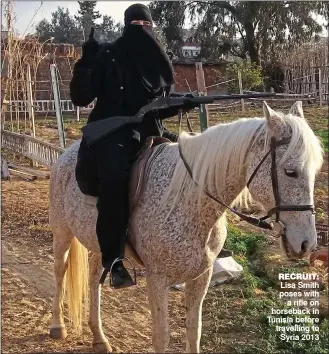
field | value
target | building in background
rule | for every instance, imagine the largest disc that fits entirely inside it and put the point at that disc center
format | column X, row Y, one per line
column 191, row 51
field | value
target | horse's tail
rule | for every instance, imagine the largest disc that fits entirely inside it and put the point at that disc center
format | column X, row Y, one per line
column 77, row 279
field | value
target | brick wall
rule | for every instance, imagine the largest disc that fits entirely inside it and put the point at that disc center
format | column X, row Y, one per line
column 185, row 77
column 64, row 56
column 43, row 82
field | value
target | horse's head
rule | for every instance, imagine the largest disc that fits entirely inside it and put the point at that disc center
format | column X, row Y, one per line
column 285, row 179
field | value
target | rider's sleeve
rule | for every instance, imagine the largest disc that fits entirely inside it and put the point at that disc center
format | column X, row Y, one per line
column 82, row 90
column 85, row 83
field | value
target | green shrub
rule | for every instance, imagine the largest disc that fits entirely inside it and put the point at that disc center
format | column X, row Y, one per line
column 251, row 75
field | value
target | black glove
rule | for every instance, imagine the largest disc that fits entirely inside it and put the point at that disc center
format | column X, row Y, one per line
column 90, row 48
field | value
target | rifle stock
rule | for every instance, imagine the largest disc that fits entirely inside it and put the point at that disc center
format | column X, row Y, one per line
column 94, row 131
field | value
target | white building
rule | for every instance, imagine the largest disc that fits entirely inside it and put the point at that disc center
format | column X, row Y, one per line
column 191, row 51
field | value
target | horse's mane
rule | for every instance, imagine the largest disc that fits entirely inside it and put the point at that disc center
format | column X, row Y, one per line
column 219, row 154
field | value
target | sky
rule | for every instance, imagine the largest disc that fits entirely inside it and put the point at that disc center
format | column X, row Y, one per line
column 26, row 10
column 29, row 13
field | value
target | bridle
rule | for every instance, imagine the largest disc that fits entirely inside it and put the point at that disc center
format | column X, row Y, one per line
column 260, row 222
column 275, row 186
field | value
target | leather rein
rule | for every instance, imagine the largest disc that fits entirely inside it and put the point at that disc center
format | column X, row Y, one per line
column 260, row 222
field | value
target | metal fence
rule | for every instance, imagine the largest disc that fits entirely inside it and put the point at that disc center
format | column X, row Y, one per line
column 42, row 106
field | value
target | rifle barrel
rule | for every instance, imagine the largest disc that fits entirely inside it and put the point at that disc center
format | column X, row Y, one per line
column 211, row 99
column 244, row 95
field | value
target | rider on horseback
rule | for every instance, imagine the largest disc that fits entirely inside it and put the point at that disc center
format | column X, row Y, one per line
column 124, row 76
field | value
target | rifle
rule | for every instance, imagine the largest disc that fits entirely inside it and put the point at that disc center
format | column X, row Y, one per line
column 94, row 131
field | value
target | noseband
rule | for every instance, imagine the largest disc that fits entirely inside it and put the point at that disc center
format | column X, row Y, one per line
column 260, row 222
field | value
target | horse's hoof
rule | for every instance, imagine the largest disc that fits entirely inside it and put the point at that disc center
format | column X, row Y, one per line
column 58, row 333
column 103, row 347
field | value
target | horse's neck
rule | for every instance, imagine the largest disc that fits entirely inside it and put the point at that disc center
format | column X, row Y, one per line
column 210, row 211
column 227, row 192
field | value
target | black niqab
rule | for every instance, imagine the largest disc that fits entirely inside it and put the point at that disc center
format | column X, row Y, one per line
column 150, row 59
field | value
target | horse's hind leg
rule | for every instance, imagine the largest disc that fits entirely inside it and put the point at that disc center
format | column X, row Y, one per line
column 61, row 245
column 100, row 342
column 195, row 292
column 158, row 299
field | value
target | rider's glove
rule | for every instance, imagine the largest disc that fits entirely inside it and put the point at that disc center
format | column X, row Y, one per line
column 90, row 48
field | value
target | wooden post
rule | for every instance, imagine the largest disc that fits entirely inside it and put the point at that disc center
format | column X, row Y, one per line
column 204, row 118
column 59, row 115
column 30, row 105
column 78, row 114
column 3, row 101
column 241, row 90
column 320, row 87
column 30, row 99
column 4, row 83
column 5, row 174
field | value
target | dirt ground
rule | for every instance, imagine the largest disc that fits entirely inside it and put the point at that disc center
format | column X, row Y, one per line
column 27, row 290
column 27, row 287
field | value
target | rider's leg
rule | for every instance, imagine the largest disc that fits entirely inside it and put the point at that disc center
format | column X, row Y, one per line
column 85, row 170
column 113, row 160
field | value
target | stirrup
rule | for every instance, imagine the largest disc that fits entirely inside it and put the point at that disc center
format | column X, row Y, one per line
column 107, row 270
column 119, row 259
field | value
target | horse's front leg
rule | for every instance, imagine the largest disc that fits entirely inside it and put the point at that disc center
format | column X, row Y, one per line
column 100, row 342
column 158, row 299
column 195, row 292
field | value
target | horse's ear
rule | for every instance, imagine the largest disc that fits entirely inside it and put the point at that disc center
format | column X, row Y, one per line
column 297, row 109
column 273, row 120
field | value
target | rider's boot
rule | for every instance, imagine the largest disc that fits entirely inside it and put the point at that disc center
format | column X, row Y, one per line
column 119, row 276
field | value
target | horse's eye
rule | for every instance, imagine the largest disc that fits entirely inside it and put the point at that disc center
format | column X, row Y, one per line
column 291, row 173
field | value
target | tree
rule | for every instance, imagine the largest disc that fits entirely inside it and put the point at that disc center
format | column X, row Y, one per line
column 87, row 16
column 44, row 30
column 65, row 28
column 170, row 17
column 108, row 30
column 258, row 30
column 161, row 37
column 62, row 27
column 88, row 7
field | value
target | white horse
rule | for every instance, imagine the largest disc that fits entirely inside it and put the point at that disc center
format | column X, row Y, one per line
column 178, row 229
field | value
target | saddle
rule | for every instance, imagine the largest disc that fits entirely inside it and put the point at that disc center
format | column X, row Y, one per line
column 139, row 168
column 137, row 179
